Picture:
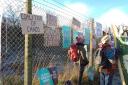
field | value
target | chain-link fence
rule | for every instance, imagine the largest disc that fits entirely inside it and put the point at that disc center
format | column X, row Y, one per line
column 47, row 48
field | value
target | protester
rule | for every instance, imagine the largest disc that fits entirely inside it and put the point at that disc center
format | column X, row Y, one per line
column 105, row 68
column 83, row 59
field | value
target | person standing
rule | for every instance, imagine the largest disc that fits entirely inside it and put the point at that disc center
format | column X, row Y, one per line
column 82, row 58
column 105, row 68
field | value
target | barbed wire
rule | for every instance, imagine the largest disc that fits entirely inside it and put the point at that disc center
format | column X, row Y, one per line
column 70, row 8
column 69, row 12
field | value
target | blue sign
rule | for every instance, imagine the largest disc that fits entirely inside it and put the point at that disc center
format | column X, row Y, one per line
column 47, row 76
column 44, row 77
column 66, row 33
column 53, row 71
column 87, row 36
column 75, row 34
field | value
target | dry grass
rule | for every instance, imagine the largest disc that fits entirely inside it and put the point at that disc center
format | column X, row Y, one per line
column 12, row 80
column 71, row 74
column 35, row 82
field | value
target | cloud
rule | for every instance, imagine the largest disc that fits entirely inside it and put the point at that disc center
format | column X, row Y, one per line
column 79, row 7
column 114, row 16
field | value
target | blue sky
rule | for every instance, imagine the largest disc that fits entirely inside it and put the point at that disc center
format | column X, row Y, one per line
column 104, row 11
column 98, row 7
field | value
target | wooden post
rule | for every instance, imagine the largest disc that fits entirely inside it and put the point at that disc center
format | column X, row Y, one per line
column 115, row 39
column 27, row 50
column 91, row 35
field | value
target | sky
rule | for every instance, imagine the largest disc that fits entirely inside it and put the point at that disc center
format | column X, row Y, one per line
column 104, row 11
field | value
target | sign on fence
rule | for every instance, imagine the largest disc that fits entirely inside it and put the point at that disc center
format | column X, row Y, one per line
column 31, row 24
column 47, row 76
column 87, row 36
column 98, row 31
column 76, row 24
column 75, row 34
column 51, row 20
column 52, row 37
column 66, row 32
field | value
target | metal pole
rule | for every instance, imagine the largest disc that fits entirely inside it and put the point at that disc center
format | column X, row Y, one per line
column 27, row 50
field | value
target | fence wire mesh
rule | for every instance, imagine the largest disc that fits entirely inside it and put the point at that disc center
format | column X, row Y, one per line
column 47, row 48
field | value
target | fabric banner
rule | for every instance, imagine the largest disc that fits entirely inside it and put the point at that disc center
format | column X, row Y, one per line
column 51, row 20
column 98, row 30
column 87, row 36
column 47, row 76
column 75, row 34
column 52, row 37
column 76, row 25
column 66, row 34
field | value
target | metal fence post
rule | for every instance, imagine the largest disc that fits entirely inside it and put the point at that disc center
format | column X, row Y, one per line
column 27, row 50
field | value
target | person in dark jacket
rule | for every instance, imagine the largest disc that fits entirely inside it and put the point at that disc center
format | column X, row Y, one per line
column 105, row 68
column 83, row 59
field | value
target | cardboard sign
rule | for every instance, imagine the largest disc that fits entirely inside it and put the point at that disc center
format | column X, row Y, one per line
column 31, row 24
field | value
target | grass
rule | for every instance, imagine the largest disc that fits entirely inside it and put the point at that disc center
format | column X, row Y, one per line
column 35, row 82
column 68, row 74
column 72, row 75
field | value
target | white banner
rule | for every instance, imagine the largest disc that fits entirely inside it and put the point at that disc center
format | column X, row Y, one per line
column 31, row 24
